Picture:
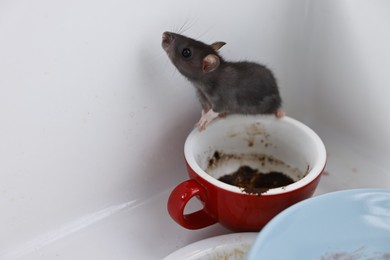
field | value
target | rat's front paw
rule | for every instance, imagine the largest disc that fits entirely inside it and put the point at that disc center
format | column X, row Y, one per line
column 280, row 113
column 206, row 119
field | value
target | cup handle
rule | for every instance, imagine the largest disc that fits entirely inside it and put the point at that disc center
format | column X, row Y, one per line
column 178, row 200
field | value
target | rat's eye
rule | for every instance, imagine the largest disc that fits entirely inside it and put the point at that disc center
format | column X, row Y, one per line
column 186, row 53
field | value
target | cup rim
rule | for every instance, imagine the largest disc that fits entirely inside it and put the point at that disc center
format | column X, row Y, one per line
column 316, row 169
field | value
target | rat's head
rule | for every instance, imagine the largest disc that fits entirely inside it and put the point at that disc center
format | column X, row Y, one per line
column 192, row 58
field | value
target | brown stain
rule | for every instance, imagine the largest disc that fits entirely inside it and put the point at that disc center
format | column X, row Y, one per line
column 254, row 130
column 251, row 141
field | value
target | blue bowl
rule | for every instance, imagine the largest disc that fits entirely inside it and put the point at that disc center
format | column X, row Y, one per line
column 350, row 224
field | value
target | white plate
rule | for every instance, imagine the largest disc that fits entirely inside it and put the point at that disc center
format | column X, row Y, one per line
column 228, row 247
column 352, row 224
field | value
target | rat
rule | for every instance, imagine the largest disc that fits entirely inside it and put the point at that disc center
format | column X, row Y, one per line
column 223, row 87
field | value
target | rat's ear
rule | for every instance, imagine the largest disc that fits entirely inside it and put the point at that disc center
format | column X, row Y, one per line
column 217, row 45
column 210, row 63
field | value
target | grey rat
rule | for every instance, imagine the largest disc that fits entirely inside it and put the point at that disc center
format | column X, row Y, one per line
column 223, row 87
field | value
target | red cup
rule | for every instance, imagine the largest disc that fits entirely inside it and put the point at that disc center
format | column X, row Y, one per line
column 261, row 142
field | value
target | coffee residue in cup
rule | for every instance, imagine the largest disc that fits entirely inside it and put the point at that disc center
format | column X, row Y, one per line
column 254, row 182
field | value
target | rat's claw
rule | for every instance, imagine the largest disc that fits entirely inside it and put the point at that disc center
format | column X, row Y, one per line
column 201, row 125
column 280, row 113
column 206, row 119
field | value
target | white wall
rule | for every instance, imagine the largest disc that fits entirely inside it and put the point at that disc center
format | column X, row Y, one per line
column 93, row 114
column 348, row 61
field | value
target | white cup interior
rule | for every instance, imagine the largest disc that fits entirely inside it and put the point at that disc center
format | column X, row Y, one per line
column 285, row 140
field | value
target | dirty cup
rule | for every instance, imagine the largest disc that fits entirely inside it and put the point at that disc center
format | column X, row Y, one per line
column 264, row 144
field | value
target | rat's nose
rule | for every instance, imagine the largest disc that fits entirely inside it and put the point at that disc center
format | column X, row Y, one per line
column 166, row 40
column 166, row 36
